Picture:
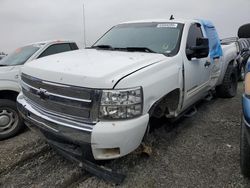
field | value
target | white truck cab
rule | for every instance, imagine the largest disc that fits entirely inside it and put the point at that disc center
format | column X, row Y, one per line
column 99, row 101
column 10, row 122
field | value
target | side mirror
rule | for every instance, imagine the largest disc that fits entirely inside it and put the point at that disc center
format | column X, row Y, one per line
column 200, row 50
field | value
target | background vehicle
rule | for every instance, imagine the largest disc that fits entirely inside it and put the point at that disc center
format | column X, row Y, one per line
column 244, row 32
column 10, row 121
column 104, row 98
column 2, row 56
column 244, row 47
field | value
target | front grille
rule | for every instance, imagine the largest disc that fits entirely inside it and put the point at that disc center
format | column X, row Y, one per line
column 62, row 101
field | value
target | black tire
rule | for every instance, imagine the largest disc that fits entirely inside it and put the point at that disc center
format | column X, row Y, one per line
column 11, row 122
column 244, row 151
column 228, row 88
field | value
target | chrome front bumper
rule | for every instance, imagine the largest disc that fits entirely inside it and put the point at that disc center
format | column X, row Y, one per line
column 41, row 123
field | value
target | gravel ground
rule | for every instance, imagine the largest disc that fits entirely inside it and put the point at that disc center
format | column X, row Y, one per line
column 201, row 151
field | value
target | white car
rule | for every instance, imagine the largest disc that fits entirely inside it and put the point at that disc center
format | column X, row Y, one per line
column 10, row 121
column 98, row 101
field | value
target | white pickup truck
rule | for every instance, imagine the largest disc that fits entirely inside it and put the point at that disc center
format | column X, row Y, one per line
column 10, row 121
column 99, row 101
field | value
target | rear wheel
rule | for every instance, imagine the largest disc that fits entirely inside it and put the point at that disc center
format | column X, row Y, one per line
column 228, row 88
column 10, row 121
column 244, row 151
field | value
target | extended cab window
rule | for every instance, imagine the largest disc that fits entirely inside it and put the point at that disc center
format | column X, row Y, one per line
column 194, row 33
column 55, row 49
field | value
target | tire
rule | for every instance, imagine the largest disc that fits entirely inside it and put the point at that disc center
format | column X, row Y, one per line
column 244, row 151
column 11, row 122
column 228, row 88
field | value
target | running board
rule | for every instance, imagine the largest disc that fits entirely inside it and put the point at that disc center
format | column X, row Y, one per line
column 191, row 112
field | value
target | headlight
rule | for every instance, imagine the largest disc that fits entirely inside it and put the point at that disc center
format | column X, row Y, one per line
column 121, row 104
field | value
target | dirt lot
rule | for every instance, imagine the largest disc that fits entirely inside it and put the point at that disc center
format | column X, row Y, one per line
column 201, row 151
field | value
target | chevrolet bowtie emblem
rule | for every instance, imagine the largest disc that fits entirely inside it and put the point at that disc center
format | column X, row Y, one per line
column 43, row 93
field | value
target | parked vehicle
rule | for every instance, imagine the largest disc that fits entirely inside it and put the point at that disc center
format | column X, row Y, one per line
column 245, row 126
column 2, row 56
column 10, row 121
column 244, row 47
column 97, row 102
column 245, row 122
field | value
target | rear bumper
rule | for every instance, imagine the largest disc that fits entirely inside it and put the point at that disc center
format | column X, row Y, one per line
column 106, row 140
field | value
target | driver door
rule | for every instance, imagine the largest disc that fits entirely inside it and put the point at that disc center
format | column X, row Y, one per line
column 196, row 70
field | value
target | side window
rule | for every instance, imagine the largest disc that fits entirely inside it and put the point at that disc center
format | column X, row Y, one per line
column 194, row 33
column 55, row 49
column 74, row 46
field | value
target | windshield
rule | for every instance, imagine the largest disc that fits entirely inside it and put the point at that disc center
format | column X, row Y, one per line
column 19, row 56
column 161, row 38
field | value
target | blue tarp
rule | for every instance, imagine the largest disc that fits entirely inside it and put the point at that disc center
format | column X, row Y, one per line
column 215, row 50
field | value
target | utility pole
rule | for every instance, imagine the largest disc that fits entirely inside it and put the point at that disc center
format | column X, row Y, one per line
column 84, row 27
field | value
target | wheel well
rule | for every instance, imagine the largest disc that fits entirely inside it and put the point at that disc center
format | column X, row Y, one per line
column 7, row 94
column 232, row 63
column 167, row 105
column 239, row 63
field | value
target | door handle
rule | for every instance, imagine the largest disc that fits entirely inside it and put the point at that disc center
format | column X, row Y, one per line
column 207, row 64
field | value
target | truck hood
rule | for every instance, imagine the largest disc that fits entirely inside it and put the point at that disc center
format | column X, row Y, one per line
column 4, row 69
column 90, row 67
column 9, row 74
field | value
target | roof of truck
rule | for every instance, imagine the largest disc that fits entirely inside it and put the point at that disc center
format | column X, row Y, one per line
column 162, row 20
column 51, row 41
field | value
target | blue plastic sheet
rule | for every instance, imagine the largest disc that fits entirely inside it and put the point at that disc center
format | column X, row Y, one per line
column 215, row 50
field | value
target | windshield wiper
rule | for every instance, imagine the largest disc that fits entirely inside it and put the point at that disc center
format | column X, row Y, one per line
column 139, row 49
column 129, row 49
column 105, row 47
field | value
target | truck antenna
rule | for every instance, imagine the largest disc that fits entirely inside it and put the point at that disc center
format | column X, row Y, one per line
column 84, row 27
column 171, row 17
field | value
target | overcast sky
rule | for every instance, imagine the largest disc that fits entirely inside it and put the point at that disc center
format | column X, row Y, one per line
column 27, row 21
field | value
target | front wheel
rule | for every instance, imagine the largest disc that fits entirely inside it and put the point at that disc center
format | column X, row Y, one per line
column 244, row 151
column 10, row 121
column 228, row 88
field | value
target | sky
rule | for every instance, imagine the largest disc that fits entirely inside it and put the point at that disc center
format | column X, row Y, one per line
column 26, row 21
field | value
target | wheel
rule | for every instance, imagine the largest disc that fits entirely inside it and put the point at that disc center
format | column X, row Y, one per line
column 10, row 121
column 228, row 88
column 242, row 73
column 244, row 151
